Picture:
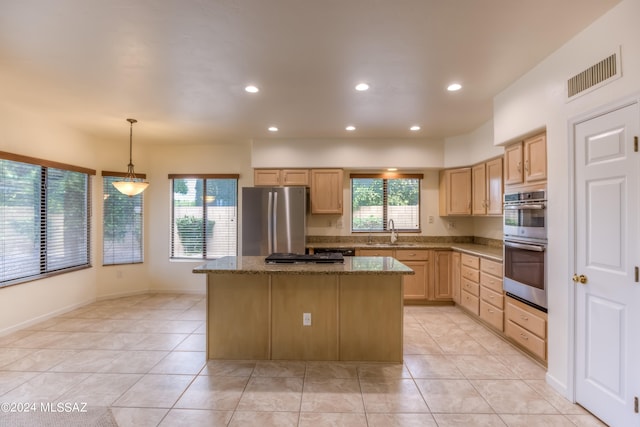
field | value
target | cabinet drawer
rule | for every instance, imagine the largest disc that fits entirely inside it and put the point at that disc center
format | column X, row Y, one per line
column 491, row 267
column 526, row 339
column 492, row 315
column 491, row 282
column 470, row 261
column 526, row 319
column 375, row 252
column 410, row 254
column 470, row 273
column 469, row 302
column 471, row 287
column 494, row 298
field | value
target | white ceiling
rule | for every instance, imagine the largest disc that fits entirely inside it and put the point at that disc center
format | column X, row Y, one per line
column 180, row 66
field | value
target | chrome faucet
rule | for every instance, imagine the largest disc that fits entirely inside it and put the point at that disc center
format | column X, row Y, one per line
column 392, row 226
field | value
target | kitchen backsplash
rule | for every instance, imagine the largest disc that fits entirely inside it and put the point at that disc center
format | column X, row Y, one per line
column 364, row 238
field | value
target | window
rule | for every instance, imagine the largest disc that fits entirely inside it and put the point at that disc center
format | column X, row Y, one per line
column 204, row 216
column 122, row 222
column 44, row 218
column 378, row 198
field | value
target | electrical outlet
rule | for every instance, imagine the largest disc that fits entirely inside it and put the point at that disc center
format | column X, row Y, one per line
column 430, row 219
column 306, row 319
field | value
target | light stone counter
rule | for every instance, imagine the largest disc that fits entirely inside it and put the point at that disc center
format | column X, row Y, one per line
column 490, row 252
column 352, row 265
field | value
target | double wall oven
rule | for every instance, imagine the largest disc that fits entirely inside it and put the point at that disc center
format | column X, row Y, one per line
column 525, row 246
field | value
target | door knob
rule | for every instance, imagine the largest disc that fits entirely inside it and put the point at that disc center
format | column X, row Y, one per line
column 581, row 278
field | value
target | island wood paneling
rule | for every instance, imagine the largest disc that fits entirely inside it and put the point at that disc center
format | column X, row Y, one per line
column 291, row 297
column 371, row 316
column 259, row 317
column 241, row 312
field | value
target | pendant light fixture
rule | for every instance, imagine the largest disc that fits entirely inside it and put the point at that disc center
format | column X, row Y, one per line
column 129, row 185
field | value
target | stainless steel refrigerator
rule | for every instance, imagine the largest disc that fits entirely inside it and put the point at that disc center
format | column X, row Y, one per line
column 273, row 220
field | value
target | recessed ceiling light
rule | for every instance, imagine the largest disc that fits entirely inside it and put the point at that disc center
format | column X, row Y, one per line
column 273, row 129
column 454, row 87
column 361, row 87
column 252, row 89
column 414, row 128
column 392, row 169
column 350, row 128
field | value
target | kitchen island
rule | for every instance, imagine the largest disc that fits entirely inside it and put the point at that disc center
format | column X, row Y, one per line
column 256, row 310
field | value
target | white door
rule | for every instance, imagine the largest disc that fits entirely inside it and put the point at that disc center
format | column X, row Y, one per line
column 607, row 170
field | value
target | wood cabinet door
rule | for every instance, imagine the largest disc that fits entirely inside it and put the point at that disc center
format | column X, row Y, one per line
column 495, row 188
column 455, row 192
column 479, row 193
column 535, row 158
column 415, row 286
column 295, row 177
column 266, row 177
column 326, row 191
column 513, row 164
column 455, row 276
column 441, row 289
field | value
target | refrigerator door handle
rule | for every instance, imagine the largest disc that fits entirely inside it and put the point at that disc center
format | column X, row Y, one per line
column 275, row 221
column 270, row 224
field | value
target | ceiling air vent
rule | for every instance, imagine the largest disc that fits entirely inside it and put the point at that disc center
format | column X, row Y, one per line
column 593, row 77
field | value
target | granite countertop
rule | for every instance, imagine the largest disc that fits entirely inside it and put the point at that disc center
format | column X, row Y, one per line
column 490, row 252
column 352, row 265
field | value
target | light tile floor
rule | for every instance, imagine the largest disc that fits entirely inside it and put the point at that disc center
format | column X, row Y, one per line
column 144, row 357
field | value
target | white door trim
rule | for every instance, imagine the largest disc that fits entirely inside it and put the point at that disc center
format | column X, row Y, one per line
column 571, row 309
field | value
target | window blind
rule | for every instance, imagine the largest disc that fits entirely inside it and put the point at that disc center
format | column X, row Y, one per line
column 122, row 224
column 204, row 216
column 44, row 218
column 378, row 198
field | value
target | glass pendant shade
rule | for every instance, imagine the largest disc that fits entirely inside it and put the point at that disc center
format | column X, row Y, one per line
column 130, row 186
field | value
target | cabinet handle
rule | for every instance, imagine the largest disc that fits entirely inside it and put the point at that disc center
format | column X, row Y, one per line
column 524, row 337
column 526, row 165
column 525, row 318
column 519, row 166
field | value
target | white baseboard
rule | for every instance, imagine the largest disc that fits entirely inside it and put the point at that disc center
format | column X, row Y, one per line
column 121, row 295
column 43, row 317
column 558, row 386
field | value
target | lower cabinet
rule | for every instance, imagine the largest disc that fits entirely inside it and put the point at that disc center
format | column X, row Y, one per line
column 477, row 287
column 416, row 287
column 455, row 276
column 432, row 281
column 441, row 288
column 527, row 327
column 491, row 293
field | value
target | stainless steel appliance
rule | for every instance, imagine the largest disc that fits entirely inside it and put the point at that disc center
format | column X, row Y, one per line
column 286, row 258
column 525, row 247
column 525, row 215
column 273, row 220
column 342, row 251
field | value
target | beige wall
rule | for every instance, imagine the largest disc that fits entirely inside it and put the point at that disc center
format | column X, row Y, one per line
column 537, row 101
column 166, row 275
column 23, row 132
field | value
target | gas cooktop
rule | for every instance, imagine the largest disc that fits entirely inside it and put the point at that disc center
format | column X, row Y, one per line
column 286, row 258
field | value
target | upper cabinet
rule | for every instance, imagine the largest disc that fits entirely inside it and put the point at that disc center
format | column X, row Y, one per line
column 486, row 180
column 455, row 192
column 279, row 177
column 526, row 161
column 326, row 191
